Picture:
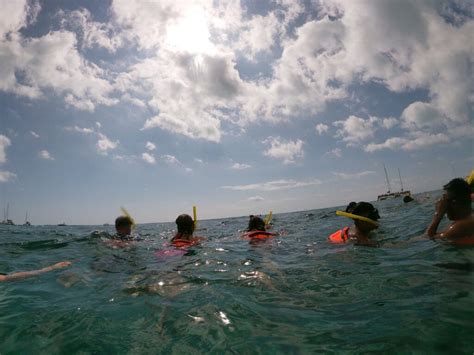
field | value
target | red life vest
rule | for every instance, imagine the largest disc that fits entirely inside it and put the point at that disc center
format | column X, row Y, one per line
column 463, row 241
column 339, row 237
column 258, row 235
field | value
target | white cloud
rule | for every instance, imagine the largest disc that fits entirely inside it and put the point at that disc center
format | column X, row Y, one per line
column 346, row 176
column 288, row 151
column 391, row 143
column 389, row 122
column 336, row 152
column 188, row 73
column 32, row 66
column 34, row 134
column 273, row 185
column 255, row 198
column 93, row 34
column 80, row 130
column 44, row 154
column 417, row 140
column 149, row 158
column 420, row 115
column 104, row 144
column 321, row 128
column 239, row 166
column 99, row 125
column 170, row 159
column 6, row 176
column 150, row 146
column 355, row 129
column 4, row 143
column 188, row 170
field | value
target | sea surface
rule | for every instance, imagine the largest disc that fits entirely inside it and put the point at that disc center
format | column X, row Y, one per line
column 294, row 294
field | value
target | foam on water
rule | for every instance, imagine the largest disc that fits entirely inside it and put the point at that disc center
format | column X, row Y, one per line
column 294, row 293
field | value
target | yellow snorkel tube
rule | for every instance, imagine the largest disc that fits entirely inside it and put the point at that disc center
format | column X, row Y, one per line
column 195, row 217
column 470, row 178
column 354, row 216
column 268, row 218
column 125, row 212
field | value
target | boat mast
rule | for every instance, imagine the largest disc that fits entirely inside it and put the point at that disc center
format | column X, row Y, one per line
column 386, row 177
column 26, row 217
column 8, row 207
column 401, row 183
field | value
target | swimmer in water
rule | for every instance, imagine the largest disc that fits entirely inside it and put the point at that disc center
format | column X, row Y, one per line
column 123, row 235
column 123, row 228
column 25, row 274
column 256, row 224
column 257, row 229
column 456, row 204
column 184, row 237
column 360, row 231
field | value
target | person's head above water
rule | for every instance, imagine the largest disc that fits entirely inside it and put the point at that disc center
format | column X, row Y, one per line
column 458, row 195
column 123, row 225
column 364, row 209
column 256, row 224
column 185, row 224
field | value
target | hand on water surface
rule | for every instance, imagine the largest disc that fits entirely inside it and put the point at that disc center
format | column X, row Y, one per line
column 62, row 265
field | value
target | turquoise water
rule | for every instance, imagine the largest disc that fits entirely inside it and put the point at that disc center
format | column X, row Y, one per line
column 293, row 294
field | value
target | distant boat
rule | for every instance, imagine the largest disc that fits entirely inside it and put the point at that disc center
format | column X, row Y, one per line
column 390, row 194
column 106, row 224
column 62, row 224
column 7, row 221
column 27, row 223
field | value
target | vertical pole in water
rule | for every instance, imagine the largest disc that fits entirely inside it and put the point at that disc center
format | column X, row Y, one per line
column 401, row 183
column 386, row 177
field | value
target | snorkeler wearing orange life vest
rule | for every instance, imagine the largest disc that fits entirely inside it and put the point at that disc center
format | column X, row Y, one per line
column 365, row 217
column 456, row 204
column 184, row 237
column 256, row 229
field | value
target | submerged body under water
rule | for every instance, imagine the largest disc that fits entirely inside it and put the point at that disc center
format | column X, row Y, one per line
column 291, row 294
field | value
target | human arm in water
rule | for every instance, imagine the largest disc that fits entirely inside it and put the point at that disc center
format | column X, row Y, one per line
column 440, row 211
column 25, row 274
column 457, row 229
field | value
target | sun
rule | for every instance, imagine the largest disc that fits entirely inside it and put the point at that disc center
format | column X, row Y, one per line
column 190, row 33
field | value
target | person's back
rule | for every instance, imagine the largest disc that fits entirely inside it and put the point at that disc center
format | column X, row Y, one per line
column 456, row 204
column 256, row 229
column 184, row 236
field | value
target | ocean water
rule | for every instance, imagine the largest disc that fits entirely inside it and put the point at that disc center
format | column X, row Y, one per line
column 294, row 294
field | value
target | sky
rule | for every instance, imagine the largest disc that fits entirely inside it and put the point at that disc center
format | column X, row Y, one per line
column 235, row 107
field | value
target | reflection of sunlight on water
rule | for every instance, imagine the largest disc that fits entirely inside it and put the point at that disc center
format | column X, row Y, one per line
column 223, row 317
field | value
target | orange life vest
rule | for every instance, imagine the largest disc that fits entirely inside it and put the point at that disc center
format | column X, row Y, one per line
column 184, row 243
column 339, row 237
column 258, row 235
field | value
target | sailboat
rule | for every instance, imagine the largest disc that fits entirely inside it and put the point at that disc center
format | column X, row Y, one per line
column 391, row 194
column 27, row 223
column 7, row 221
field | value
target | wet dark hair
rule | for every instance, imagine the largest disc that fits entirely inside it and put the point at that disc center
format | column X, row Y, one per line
column 185, row 224
column 459, row 190
column 123, row 221
column 256, row 223
column 350, row 206
column 363, row 209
